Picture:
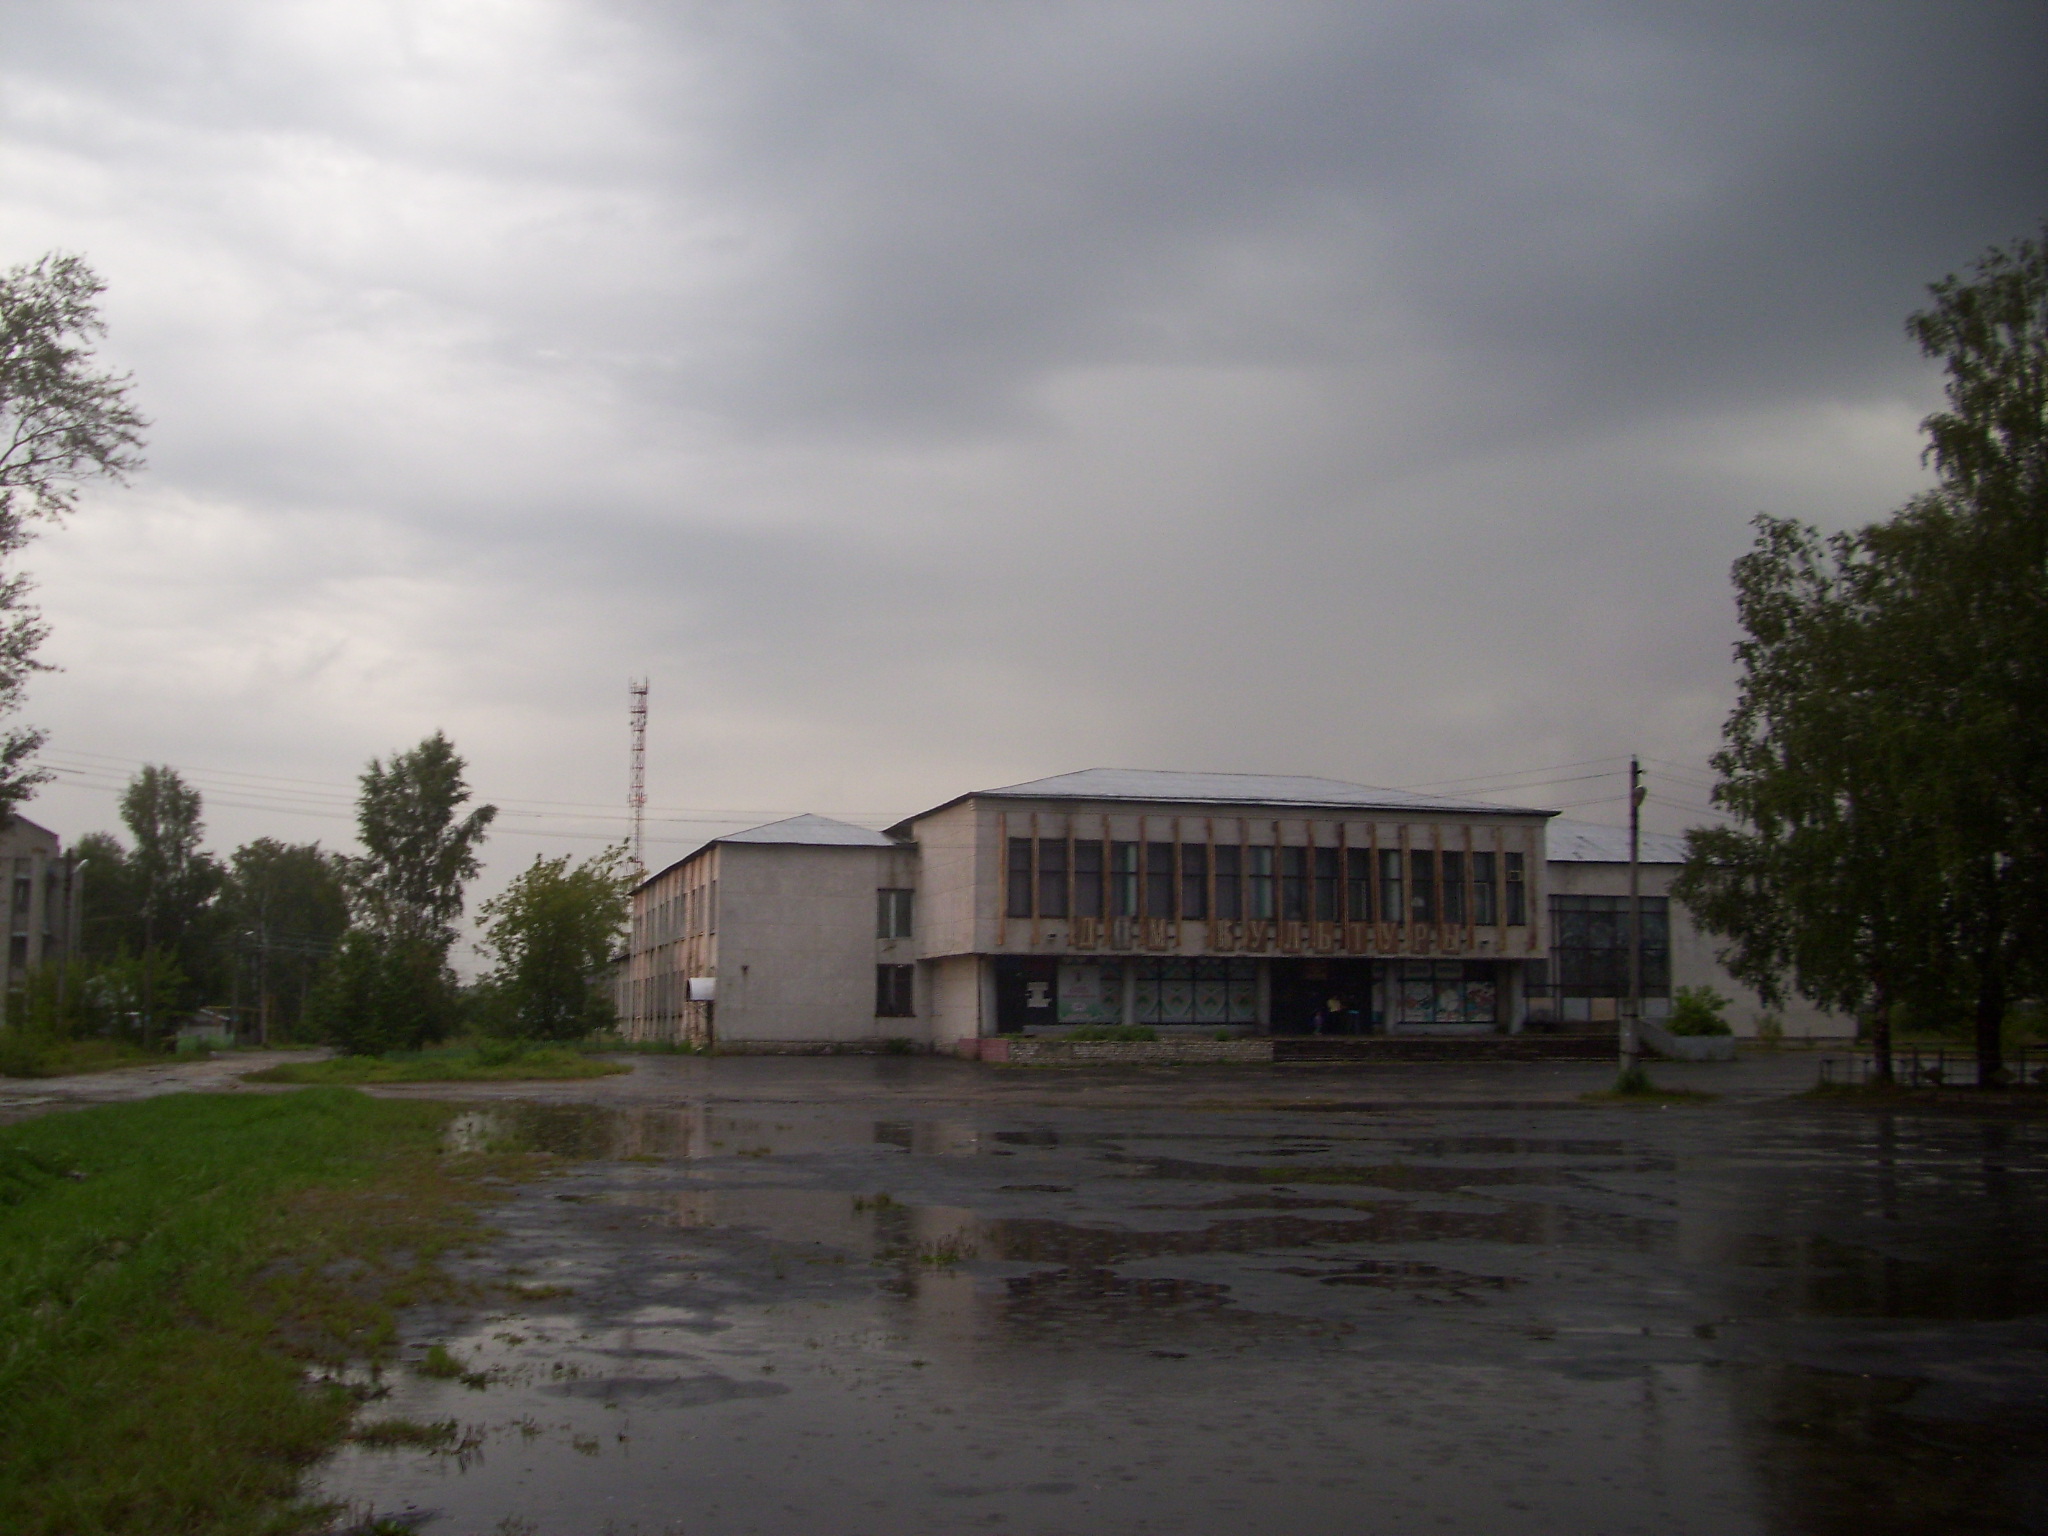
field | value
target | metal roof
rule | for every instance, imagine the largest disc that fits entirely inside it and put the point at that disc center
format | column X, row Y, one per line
column 1585, row 842
column 813, row 831
column 1161, row 786
column 807, row 830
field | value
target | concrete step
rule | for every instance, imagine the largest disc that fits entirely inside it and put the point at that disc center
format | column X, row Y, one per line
column 1369, row 1048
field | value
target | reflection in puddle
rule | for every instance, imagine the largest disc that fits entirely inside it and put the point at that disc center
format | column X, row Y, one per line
column 744, row 1319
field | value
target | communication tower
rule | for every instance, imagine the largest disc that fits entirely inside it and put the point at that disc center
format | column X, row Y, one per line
column 636, row 783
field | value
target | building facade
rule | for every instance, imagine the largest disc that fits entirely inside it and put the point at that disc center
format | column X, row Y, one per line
column 1215, row 903
column 1586, row 976
column 41, row 904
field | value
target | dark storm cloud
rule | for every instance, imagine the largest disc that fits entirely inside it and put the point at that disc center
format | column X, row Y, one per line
column 930, row 394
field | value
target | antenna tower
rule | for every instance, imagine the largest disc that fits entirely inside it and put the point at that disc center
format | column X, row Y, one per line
column 636, row 783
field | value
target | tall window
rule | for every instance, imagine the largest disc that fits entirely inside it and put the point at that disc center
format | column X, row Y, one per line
column 1391, row 909
column 892, row 913
column 1123, row 879
column 1422, row 897
column 1052, row 877
column 1329, row 887
column 1485, row 896
column 1020, row 877
column 1518, row 892
column 1229, row 892
column 1088, row 879
column 1294, row 885
column 893, row 991
column 1453, row 872
column 1358, row 885
column 1194, row 881
column 1259, row 885
column 1159, row 879
column 1590, row 942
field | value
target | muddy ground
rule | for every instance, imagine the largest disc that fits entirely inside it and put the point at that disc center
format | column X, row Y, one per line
column 902, row 1296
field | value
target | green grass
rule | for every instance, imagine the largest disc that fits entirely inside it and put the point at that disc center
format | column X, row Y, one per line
column 467, row 1064
column 25, row 1056
column 175, row 1274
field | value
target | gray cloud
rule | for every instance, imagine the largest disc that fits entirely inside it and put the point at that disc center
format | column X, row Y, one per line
column 930, row 395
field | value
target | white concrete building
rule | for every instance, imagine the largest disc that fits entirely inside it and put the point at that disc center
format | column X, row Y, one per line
column 1587, row 973
column 1191, row 902
column 41, row 893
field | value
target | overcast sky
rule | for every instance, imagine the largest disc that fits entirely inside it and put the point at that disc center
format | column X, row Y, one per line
column 934, row 396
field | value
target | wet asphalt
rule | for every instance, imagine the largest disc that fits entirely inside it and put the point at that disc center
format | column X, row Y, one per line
column 909, row 1295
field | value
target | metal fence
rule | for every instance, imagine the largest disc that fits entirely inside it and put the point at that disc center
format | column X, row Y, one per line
column 1915, row 1066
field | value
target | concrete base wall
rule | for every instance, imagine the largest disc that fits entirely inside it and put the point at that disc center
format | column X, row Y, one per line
column 1022, row 1051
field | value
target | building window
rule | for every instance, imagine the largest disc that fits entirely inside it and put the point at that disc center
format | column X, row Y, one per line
column 1446, row 992
column 1358, row 885
column 1518, row 893
column 1391, row 910
column 1052, row 877
column 1123, row 879
column 1020, row 877
column 892, row 913
column 1194, row 881
column 1453, row 871
column 1485, row 897
column 1088, row 879
column 1294, row 885
column 1423, row 895
column 1193, row 991
column 1590, row 943
column 1229, row 892
column 1259, row 885
column 1329, row 888
column 1159, row 879
column 893, row 991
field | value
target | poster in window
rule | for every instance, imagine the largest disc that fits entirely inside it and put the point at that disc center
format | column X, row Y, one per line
column 1090, row 994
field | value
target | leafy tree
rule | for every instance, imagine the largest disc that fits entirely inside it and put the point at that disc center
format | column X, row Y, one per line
column 110, row 898
column 378, row 995
column 388, row 986
column 553, row 931
column 61, row 423
column 418, row 856
column 287, row 908
column 1887, row 759
column 177, row 881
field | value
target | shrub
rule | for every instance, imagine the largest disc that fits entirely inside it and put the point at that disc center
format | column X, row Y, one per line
column 1089, row 1033
column 1699, row 1011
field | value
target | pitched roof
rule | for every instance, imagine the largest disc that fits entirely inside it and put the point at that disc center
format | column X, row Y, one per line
column 1161, row 786
column 1584, row 842
column 807, row 831
column 813, row 831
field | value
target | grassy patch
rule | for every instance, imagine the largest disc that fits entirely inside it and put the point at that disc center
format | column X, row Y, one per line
column 25, row 1056
column 408, row 1434
column 179, row 1277
column 466, row 1064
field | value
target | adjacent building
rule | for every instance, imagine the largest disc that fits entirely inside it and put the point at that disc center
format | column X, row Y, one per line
column 41, row 894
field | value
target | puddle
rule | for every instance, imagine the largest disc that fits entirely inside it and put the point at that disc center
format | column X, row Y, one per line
column 753, row 1319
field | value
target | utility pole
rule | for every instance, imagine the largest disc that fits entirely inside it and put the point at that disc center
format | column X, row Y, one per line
column 636, row 783
column 1631, row 1040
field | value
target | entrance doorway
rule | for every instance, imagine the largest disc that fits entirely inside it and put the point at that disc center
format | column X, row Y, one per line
column 1331, row 997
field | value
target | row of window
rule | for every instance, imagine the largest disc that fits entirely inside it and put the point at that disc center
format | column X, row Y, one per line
column 684, row 915
column 1058, row 877
column 1590, row 948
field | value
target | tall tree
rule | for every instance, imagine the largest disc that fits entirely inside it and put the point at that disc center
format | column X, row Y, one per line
column 553, row 931
column 418, row 855
column 287, row 909
column 1887, row 760
column 62, row 422
column 177, row 882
